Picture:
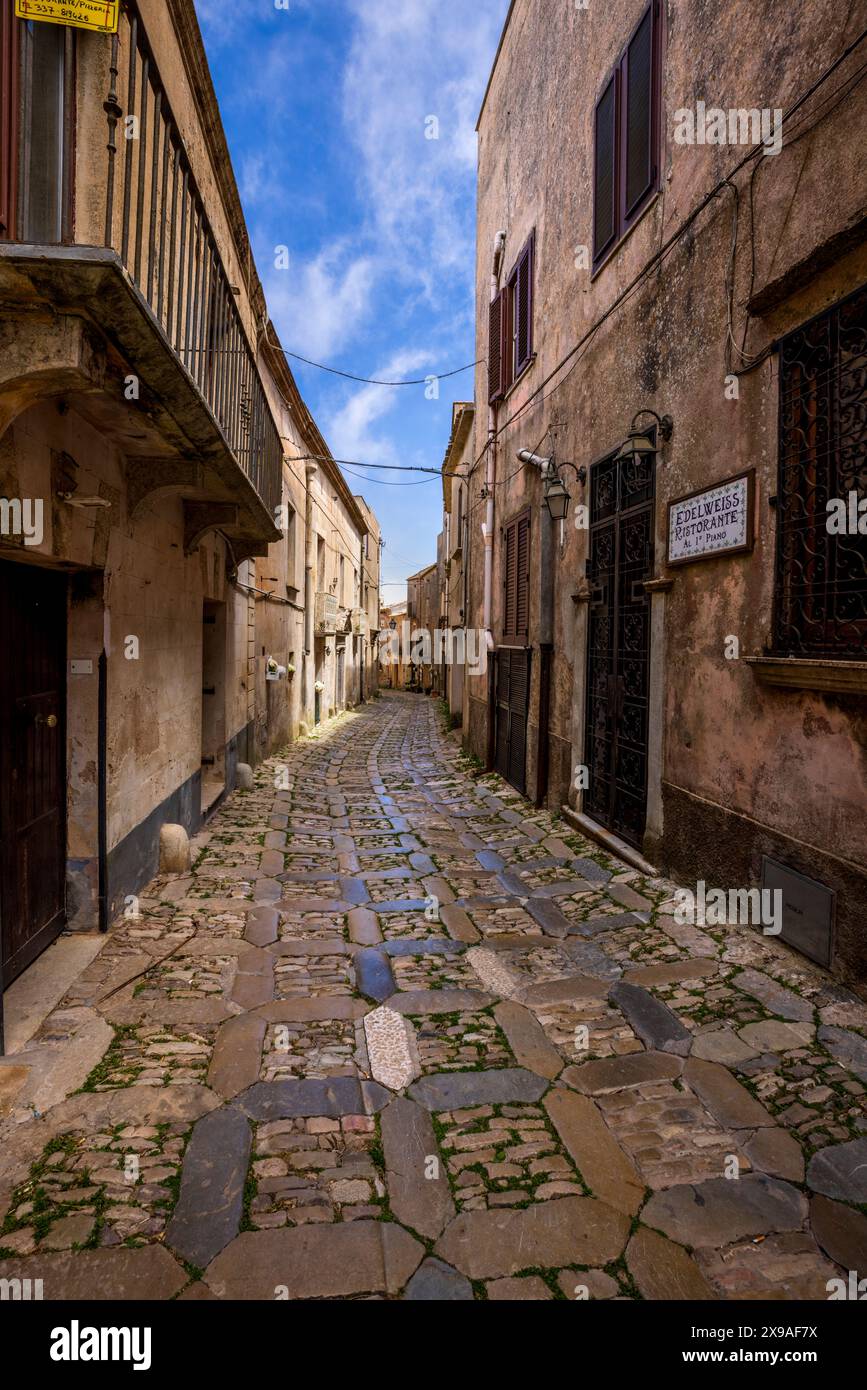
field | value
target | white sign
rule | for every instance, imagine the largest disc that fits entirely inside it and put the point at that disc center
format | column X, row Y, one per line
column 709, row 523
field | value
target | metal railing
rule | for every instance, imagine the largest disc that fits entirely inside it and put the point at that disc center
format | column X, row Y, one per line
column 156, row 219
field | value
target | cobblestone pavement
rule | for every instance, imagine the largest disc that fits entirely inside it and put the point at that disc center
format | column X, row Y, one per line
column 398, row 1035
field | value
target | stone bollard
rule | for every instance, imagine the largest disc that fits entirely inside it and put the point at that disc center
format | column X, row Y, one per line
column 174, row 850
column 245, row 777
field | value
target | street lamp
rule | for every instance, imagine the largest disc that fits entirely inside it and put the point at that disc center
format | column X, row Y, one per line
column 557, row 496
column 638, row 444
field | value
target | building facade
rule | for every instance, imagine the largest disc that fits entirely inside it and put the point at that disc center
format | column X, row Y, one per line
column 672, row 306
column 453, row 546
column 152, row 505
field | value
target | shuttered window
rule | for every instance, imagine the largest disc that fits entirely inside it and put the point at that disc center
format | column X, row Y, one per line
column 627, row 137
column 510, row 336
column 8, row 117
column 516, row 579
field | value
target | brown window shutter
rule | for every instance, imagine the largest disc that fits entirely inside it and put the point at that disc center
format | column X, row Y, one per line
column 510, row 581
column 604, row 185
column 8, row 118
column 496, row 375
column 524, row 307
column 522, row 566
column 639, row 115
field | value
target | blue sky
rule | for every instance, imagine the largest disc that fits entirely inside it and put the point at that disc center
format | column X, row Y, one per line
column 325, row 104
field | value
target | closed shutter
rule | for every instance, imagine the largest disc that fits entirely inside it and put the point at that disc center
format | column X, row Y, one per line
column 524, row 308
column 640, row 170
column 496, row 376
column 522, row 596
column 604, row 191
column 8, row 118
column 510, row 580
column 519, row 704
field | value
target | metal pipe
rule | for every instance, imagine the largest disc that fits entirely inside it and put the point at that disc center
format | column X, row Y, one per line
column 102, row 790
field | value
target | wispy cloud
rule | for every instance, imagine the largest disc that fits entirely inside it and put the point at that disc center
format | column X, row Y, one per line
column 322, row 304
column 350, row 428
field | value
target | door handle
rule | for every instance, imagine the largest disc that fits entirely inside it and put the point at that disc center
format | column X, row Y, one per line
column 49, row 720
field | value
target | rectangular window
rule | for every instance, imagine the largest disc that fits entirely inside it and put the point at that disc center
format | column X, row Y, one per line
column 42, row 179
column 627, row 130
column 821, row 590
column 510, row 335
column 516, row 579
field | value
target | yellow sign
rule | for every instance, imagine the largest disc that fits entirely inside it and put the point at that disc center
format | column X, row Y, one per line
column 100, row 16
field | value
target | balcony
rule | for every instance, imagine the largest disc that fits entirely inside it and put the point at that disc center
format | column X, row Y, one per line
column 157, row 290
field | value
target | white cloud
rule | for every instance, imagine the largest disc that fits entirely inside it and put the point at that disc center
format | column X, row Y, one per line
column 349, row 429
column 321, row 304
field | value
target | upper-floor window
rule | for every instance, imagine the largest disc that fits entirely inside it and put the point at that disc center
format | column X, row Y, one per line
column 510, row 342
column 35, row 68
column 821, row 591
column 516, row 579
column 627, row 136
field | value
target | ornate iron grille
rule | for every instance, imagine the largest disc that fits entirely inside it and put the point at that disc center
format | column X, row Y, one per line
column 618, row 664
column 821, row 605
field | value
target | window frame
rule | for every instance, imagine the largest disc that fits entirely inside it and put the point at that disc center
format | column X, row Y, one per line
column 515, row 634
column 10, row 63
column 504, row 312
column 625, row 218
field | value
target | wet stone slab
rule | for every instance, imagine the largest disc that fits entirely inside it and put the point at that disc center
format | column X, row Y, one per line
column 455, row 1090
column 210, row 1206
column 334, row 1097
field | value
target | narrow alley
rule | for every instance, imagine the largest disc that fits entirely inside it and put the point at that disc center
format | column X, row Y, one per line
column 398, row 1035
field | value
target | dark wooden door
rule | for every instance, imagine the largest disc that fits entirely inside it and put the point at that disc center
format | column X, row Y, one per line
column 32, row 762
column 513, row 709
column 618, row 662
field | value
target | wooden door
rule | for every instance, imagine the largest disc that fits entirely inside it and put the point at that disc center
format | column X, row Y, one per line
column 32, row 762
column 513, row 710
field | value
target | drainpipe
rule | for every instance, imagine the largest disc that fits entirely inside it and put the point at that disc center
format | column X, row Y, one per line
column 490, row 484
column 547, row 546
column 102, row 790
column 309, row 590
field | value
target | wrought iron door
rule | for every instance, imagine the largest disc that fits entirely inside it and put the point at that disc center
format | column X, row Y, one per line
column 618, row 647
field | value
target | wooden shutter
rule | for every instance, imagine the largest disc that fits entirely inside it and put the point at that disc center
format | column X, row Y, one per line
column 639, row 116
column 8, row 118
column 496, row 345
column 510, row 580
column 604, row 177
column 522, row 584
column 523, row 308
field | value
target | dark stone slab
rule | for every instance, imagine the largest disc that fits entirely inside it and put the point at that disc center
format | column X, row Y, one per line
column 589, row 869
column 455, row 1090
column 421, row 1202
column 373, row 973
column 237, row 1058
column 311, row 876
column 549, row 917
column 591, row 959
column 568, row 1231
column 721, row 1212
column 148, row 1274
column 262, row 926
column 364, row 927
column 376, row 1097
column 420, row 1002
column 511, row 882
column 840, row 1171
column 847, row 1048
column 422, row 864
column 354, row 891
column 211, row 1203
column 569, row 888
column 652, row 1021
column 287, row 1100
column 775, row 997
column 402, row 905
column 597, row 926
column 430, row 947
column 317, row 1261
column 728, row 1101
column 436, row 1282
column 606, row 1074
column 841, row 1232
column 490, row 860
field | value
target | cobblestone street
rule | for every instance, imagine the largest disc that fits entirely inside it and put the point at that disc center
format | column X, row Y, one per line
column 398, row 1035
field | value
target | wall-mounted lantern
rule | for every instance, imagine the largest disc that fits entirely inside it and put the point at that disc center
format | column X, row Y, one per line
column 638, row 443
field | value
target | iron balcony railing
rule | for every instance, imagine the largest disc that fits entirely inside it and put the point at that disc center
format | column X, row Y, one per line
column 155, row 218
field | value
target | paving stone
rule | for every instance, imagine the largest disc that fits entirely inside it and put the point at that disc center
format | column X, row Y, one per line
column 281, row 1100
column 429, row 947
column 263, row 926
column 374, row 974
column 549, row 916
column 583, row 1284
column 418, row 1002
column 564, row 1231
column 528, row 1040
column 775, row 997
column 300, row 1010
column 364, row 927
column 652, row 1021
column 237, row 1057
column 728, row 1101
column 123, row 1274
column 598, row 926
column 789, row 1266
column 565, row 991
column 435, row 1282
column 774, row 1151
column 605, row 1168
column 458, row 924
column 74, row 1229
column 211, row 1200
column 847, row 1048
column 840, row 1171
column 724, row 1210
column 458, row 1090
column 672, row 973
column 391, row 1049
column 418, row 1200
column 531, row 1289
column 493, row 973
column 619, row 1073
column 772, row 1036
column 331, row 1261
column 664, row 1271
column 723, row 1046
column 841, row 1232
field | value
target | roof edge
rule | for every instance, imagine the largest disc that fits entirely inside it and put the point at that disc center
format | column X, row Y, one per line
column 495, row 62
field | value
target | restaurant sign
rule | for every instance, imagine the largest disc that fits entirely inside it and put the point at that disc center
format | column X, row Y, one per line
column 100, row 16
column 716, row 521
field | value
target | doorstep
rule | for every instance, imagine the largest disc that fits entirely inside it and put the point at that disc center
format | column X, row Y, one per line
column 607, row 840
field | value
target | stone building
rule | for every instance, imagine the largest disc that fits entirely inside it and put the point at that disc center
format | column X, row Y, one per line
column 672, row 306
column 424, row 605
column 151, row 488
column 456, row 519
